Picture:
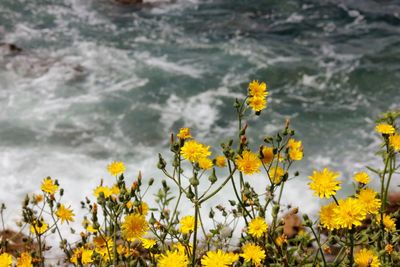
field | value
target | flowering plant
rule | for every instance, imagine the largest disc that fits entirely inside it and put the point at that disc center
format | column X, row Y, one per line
column 122, row 229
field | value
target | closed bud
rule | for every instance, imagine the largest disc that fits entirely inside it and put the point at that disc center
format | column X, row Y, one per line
column 151, row 181
column 161, row 162
column 213, row 177
column 194, row 181
column 275, row 211
column 237, row 103
column 232, row 202
column 211, row 214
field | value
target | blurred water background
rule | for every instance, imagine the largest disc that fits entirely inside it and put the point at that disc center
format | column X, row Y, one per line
column 97, row 82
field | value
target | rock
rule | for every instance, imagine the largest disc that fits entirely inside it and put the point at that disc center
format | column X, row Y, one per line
column 16, row 242
column 292, row 224
column 9, row 49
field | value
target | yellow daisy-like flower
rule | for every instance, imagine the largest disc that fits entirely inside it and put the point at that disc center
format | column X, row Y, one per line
column 366, row 258
column 350, row 212
column 257, row 227
column 267, row 154
column 184, row 133
column 276, row 174
column 388, row 222
column 102, row 189
column 233, row 257
column 280, row 240
column 217, row 258
column 362, row 177
column 257, row 89
column 327, row 215
column 220, row 161
column 294, row 144
column 103, row 241
column 115, row 168
column 248, row 162
column 134, row 226
column 25, row 260
column 257, row 103
column 38, row 198
column 394, row 141
column 186, row 224
column 65, row 214
column 389, row 248
column 253, row 253
column 143, row 208
column 324, row 183
column 173, row 259
column 148, row 243
column 296, row 154
column 85, row 256
column 115, row 190
column 5, row 260
column 369, row 200
column 48, row 186
column 384, row 128
column 39, row 228
column 193, row 151
column 205, row 163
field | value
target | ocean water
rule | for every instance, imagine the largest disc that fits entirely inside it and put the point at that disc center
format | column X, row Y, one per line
column 97, row 82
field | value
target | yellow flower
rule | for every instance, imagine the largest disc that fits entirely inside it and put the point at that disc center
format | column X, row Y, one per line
column 257, row 89
column 350, row 212
column 280, row 240
column 216, row 259
column 294, row 144
column 384, row 128
column 193, row 151
column 257, row 227
column 115, row 190
column 276, row 174
column 186, row 224
column 389, row 248
column 48, row 186
column 324, row 183
column 142, row 209
column 205, row 163
column 65, row 214
column 103, row 241
column 248, row 162
column 82, row 254
column 257, row 103
column 38, row 198
column 327, row 215
column 134, row 226
column 173, row 259
column 394, row 141
column 184, row 133
column 5, row 260
column 220, row 161
column 39, row 228
column 148, row 243
column 296, row 154
column 388, row 222
column 25, row 260
column 295, row 149
column 368, row 200
column 116, row 167
column 102, row 189
column 253, row 253
column 361, row 177
column 267, row 154
column 366, row 258
column 232, row 257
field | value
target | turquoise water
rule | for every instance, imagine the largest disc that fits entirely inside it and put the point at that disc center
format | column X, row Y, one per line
column 98, row 82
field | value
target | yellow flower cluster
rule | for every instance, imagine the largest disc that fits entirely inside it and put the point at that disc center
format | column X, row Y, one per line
column 295, row 149
column 219, row 258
